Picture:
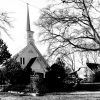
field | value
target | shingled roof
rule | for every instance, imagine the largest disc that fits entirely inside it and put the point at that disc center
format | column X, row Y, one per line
column 94, row 66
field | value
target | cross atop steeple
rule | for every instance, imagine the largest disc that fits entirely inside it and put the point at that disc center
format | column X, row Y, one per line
column 28, row 28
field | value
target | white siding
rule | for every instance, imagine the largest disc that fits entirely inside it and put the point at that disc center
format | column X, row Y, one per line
column 27, row 54
column 36, row 66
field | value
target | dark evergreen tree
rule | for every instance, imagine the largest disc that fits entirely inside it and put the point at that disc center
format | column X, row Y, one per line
column 4, row 56
column 15, row 74
column 55, row 75
column 12, row 71
column 4, row 53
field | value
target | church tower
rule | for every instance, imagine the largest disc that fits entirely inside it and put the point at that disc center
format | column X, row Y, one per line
column 28, row 28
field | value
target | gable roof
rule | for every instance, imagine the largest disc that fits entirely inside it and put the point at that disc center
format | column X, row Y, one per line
column 93, row 66
column 39, row 53
column 39, row 60
column 32, row 60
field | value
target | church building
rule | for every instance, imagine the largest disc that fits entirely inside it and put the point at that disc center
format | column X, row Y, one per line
column 30, row 55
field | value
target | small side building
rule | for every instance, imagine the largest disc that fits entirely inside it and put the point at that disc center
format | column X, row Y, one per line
column 93, row 72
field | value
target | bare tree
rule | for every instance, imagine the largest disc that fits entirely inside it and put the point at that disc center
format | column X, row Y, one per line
column 69, row 60
column 71, row 25
column 5, row 22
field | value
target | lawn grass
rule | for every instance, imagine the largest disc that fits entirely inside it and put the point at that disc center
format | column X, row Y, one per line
column 13, row 96
column 53, row 96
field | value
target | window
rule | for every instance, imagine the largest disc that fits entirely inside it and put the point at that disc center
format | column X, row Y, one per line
column 22, row 61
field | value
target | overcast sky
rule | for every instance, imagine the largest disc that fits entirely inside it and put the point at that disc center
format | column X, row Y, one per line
column 17, row 10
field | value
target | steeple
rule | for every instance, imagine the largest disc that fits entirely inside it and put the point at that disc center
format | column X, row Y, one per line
column 28, row 28
column 28, row 19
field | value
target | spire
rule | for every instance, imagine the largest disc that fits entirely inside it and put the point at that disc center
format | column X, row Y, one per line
column 28, row 19
column 28, row 28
